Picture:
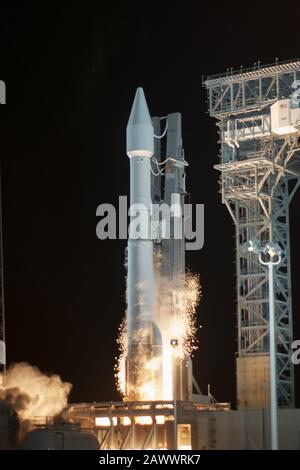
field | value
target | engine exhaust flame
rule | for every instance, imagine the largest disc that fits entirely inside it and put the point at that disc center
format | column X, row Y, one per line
column 178, row 328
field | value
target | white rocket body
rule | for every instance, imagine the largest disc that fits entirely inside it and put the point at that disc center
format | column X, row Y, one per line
column 144, row 338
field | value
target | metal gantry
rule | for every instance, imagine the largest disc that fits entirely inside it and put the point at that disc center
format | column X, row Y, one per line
column 260, row 173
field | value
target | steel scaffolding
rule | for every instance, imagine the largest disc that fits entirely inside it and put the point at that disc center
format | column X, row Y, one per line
column 259, row 176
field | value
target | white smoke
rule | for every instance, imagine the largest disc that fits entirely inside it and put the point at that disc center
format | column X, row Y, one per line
column 42, row 395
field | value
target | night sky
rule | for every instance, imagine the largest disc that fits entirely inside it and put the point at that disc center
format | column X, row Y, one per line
column 71, row 75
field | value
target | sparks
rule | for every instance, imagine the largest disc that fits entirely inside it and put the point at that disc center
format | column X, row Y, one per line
column 178, row 327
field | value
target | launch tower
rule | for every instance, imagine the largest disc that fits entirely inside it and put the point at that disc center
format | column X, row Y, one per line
column 258, row 118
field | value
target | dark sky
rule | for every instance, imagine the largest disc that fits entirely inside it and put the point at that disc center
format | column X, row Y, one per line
column 71, row 75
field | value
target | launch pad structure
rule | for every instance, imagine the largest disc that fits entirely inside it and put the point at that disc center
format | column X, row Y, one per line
column 149, row 425
column 258, row 119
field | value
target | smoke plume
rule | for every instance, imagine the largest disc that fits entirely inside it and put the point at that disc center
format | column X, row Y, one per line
column 26, row 394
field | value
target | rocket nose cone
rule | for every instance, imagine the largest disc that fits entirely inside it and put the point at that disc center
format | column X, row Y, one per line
column 139, row 128
column 139, row 112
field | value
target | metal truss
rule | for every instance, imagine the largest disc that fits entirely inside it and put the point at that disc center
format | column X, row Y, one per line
column 122, row 428
column 245, row 91
column 259, row 176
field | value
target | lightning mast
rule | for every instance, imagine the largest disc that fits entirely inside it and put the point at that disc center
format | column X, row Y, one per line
column 258, row 118
column 2, row 314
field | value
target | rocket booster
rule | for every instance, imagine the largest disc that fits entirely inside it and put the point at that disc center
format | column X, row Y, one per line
column 144, row 338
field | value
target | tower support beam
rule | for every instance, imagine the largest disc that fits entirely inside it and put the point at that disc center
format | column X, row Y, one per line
column 260, row 171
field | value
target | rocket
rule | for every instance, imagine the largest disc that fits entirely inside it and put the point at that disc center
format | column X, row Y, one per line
column 144, row 337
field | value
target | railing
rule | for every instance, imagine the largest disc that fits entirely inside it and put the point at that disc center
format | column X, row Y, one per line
column 230, row 72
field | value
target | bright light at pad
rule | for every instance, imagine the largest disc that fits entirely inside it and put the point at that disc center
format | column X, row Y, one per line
column 126, row 421
column 160, row 419
column 144, row 420
column 102, row 421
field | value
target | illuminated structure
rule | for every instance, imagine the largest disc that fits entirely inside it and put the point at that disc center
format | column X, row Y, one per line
column 150, row 425
column 259, row 127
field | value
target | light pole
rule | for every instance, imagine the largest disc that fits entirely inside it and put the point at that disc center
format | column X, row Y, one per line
column 273, row 252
